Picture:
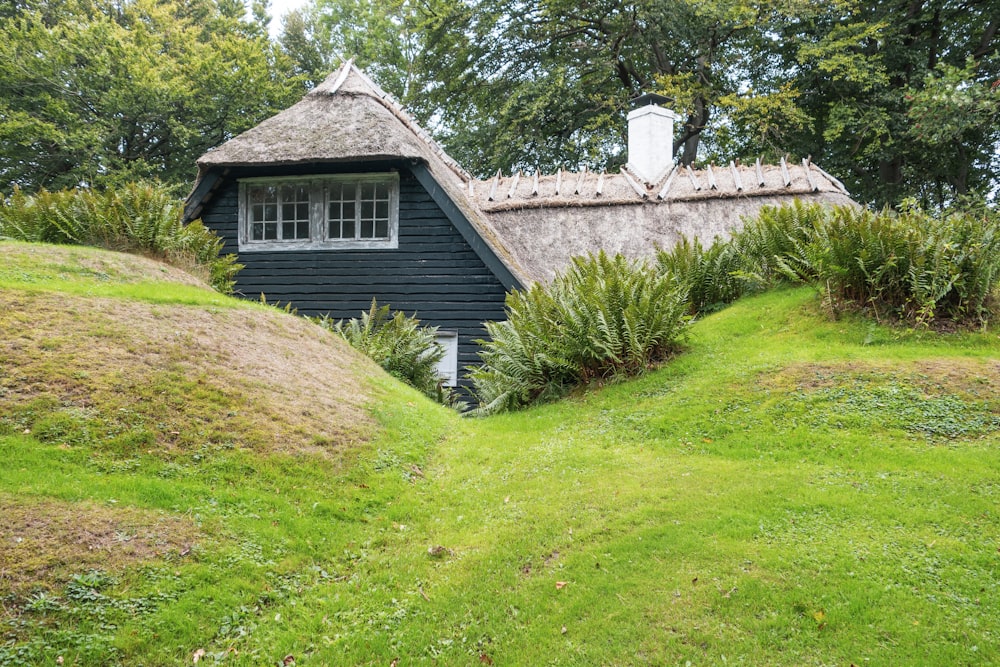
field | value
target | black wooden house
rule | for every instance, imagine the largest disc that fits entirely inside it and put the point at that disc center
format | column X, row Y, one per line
column 343, row 198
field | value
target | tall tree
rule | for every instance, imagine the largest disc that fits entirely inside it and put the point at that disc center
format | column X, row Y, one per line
column 898, row 97
column 515, row 84
column 97, row 91
column 384, row 36
column 556, row 76
column 903, row 94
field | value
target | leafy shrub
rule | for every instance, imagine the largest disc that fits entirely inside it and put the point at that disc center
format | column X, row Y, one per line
column 604, row 317
column 138, row 217
column 766, row 241
column 711, row 277
column 753, row 259
column 397, row 343
column 913, row 265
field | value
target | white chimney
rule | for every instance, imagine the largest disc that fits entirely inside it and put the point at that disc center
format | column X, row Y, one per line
column 651, row 138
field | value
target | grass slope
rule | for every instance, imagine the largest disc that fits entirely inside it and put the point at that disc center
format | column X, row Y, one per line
column 789, row 491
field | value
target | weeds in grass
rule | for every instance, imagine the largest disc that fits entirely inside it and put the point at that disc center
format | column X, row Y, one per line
column 896, row 405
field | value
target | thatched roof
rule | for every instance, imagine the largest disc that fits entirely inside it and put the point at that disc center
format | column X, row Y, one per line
column 535, row 223
column 566, row 188
column 344, row 119
column 347, row 118
column 545, row 220
column 542, row 240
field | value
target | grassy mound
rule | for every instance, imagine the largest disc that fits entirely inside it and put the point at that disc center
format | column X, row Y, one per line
column 788, row 491
column 97, row 354
column 140, row 411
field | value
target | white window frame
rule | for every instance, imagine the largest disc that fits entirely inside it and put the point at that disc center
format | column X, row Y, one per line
column 319, row 189
column 447, row 367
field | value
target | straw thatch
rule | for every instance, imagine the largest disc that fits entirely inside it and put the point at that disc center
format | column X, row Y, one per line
column 542, row 240
column 342, row 124
column 347, row 118
column 533, row 223
column 545, row 220
column 565, row 188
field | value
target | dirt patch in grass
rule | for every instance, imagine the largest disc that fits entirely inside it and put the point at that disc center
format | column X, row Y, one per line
column 940, row 399
column 44, row 542
column 129, row 376
column 968, row 378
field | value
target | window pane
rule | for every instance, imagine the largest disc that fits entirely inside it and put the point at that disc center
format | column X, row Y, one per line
column 336, row 214
column 261, row 194
column 361, row 209
column 333, row 226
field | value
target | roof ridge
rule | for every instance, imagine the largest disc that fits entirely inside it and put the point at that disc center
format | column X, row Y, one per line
column 342, row 77
column 395, row 108
column 756, row 169
column 682, row 183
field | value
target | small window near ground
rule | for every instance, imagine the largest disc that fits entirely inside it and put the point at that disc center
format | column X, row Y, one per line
column 447, row 368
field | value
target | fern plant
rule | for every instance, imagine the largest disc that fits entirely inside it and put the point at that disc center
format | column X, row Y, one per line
column 397, row 343
column 911, row 265
column 605, row 317
column 136, row 217
column 755, row 257
column 711, row 277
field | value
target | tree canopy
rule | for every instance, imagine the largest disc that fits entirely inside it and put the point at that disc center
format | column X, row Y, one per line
column 900, row 98
column 102, row 91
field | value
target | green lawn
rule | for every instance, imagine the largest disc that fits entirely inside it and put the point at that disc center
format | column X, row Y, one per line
column 790, row 490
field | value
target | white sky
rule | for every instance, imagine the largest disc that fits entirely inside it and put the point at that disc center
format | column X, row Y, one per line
column 278, row 9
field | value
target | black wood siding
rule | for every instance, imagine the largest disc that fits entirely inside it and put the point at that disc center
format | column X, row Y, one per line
column 433, row 273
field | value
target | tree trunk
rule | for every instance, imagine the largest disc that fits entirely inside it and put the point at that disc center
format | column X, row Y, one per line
column 691, row 136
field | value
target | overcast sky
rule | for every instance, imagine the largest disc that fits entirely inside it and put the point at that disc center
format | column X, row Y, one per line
column 278, row 9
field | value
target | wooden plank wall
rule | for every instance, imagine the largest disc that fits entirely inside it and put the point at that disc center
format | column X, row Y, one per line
column 434, row 273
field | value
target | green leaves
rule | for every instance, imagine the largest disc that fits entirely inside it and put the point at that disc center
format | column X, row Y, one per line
column 886, row 82
column 104, row 92
column 605, row 317
column 136, row 217
column 397, row 343
column 913, row 265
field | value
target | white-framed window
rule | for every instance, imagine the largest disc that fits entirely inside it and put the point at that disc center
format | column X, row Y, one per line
column 447, row 368
column 349, row 211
